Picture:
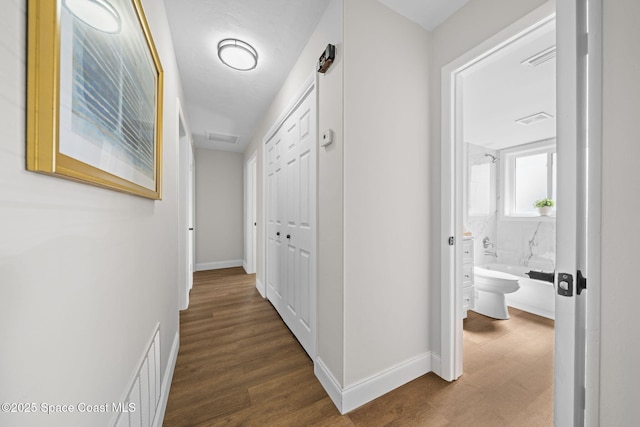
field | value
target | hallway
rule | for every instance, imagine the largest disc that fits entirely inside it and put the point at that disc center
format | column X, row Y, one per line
column 239, row 365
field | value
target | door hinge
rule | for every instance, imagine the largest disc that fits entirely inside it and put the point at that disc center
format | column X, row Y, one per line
column 451, row 240
column 583, row 44
column 581, row 283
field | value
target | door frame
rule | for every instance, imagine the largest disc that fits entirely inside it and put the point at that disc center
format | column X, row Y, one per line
column 450, row 362
column 594, row 215
column 250, row 213
column 452, row 188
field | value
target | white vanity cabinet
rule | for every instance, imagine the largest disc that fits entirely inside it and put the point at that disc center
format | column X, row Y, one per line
column 468, row 294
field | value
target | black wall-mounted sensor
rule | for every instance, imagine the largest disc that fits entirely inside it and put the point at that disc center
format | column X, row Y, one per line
column 326, row 59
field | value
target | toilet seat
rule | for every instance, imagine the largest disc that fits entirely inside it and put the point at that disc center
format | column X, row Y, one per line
column 495, row 281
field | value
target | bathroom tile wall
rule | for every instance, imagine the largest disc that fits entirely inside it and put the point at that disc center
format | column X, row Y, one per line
column 482, row 226
column 530, row 243
column 526, row 242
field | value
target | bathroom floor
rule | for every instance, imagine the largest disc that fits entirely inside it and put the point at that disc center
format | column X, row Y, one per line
column 510, row 362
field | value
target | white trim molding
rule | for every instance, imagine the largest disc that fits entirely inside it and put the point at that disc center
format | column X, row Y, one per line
column 436, row 364
column 216, row 265
column 373, row 387
column 167, row 378
column 261, row 288
column 144, row 389
column 329, row 382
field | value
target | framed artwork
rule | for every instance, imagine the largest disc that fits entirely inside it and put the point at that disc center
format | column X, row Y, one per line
column 94, row 95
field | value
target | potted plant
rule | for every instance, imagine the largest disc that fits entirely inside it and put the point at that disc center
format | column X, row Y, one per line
column 544, row 206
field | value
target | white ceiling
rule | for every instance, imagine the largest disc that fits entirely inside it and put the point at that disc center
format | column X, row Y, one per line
column 500, row 90
column 229, row 102
column 218, row 98
column 428, row 13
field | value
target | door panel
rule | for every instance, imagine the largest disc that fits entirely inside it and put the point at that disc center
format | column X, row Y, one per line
column 305, row 288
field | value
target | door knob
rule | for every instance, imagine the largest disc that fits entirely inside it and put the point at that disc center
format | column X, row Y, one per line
column 288, row 236
column 278, row 233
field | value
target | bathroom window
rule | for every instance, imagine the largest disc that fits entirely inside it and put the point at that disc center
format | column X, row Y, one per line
column 529, row 174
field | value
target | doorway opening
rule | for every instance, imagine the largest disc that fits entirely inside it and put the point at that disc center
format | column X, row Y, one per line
column 251, row 213
column 579, row 71
column 508, row 158
column 576, row 220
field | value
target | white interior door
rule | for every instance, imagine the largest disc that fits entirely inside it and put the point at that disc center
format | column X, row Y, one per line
column 274, row 220
column 291, row 218
column 191, row 217
column 571, row 235
column 185, row 213
column 299, row 215
column 253, row 213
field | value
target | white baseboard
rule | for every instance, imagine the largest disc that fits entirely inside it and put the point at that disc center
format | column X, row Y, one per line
column 261, row 288
column 357, row 395
column 374, row 387
column 436, row 364
column 216, row 265
column 166, row 381
column 329, row 382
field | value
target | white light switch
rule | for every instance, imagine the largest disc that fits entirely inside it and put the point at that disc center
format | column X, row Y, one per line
column 327, row 138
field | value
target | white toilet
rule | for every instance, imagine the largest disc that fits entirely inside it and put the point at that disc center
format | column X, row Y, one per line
column 491, row 286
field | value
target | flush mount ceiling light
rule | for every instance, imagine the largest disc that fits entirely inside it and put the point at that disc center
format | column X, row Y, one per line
column 237, row 54
column 99, row 14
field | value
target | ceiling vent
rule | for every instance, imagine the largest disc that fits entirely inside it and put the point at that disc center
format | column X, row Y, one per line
column 219, row 137
column 540, row 57
column 535, row 118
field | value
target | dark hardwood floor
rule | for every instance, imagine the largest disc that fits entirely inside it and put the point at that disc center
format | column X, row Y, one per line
column 239, row 365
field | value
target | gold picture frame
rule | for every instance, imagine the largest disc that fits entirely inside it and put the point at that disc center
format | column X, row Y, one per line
column 94, row 96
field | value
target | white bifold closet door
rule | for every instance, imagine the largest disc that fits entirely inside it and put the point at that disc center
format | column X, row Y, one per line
column 290, row 195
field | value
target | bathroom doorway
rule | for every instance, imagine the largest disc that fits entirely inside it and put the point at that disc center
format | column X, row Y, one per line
column 509, row 162
column 572, row 215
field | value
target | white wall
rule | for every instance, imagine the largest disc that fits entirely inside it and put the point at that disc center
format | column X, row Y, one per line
column 219, row 209
column 386, row 191
column 620, row 342
column 330, row 312
column 85, row 273
column 474, row 23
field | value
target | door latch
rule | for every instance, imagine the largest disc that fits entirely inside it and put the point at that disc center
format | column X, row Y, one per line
column 565, row 284
column 450, row 240
column 582, row 283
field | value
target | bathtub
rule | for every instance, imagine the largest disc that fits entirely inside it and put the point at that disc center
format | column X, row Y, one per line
column 534, row 296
